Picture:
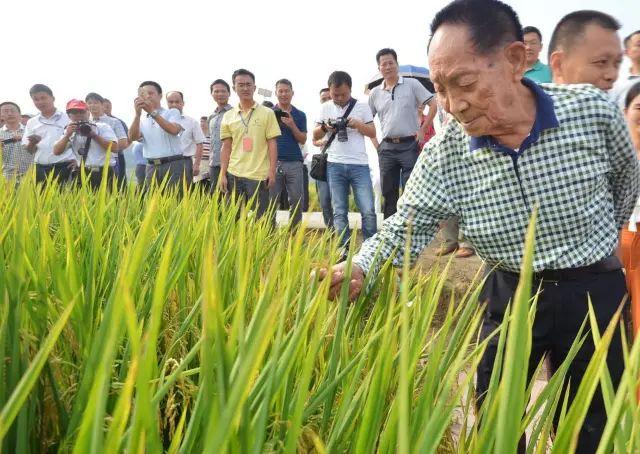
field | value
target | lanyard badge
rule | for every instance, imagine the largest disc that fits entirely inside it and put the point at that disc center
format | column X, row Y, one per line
column 247, row 140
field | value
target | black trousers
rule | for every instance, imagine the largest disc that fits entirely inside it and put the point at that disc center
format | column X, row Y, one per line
column 396, row 164
column 562, row 307
column 94, row 177
column 244, row 189
column 61, row 171
column 214, row 175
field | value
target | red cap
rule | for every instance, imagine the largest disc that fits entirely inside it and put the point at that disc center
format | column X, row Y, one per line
column 76, row 104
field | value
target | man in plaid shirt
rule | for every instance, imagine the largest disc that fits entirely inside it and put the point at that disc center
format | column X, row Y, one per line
column 16, row 160
column 515, row 145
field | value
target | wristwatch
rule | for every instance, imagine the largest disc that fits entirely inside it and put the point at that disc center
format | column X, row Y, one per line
column 154, row 114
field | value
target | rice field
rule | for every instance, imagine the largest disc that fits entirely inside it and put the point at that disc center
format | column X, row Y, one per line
column 158, row 323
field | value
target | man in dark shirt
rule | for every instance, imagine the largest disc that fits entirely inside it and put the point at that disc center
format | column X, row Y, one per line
column 290, row 171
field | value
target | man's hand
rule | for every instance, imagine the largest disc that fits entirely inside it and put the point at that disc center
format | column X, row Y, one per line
column 337, row 274
column 288, row 122
column 222, row 182
column 354, row 123
column 137, row 104
column 196, row 170
column 34, row 139
column 70, row 129
column 271, row 179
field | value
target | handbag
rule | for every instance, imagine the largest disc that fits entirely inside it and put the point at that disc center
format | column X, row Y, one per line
column 318, row 169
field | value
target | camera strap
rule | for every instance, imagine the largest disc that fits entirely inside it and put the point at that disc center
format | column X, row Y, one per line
column 352, row 103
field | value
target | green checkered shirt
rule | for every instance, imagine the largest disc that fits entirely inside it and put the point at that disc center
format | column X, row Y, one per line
column 577, row 165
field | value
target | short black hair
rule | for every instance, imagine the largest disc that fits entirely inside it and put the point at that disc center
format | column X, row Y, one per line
column 268, row 104
column 204, row 117
column 156, row 85
column 532, row 29
column 571, row 27
column 106, row 100
column 284, row 82
column 322, row 90
column 386, row 51
column 219, row 82
column 179, row 92
column 40, row 88
column 11, row 103
column 27, row 116
column 491, row 23
column 242, row 72
column 628, row 38
column 95, row 97
column 339, row 78
column 632, row 94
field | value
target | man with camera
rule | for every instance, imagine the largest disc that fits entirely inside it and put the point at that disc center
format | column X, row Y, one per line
column 290, row 170
column 89, row 142
column 160, row 128
column 345, row 122
column 396, row 101
column 191, row 136
column 42, row 131
column 16, row 160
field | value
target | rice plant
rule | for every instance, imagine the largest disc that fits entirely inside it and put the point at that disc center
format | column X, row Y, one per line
column 134, row 322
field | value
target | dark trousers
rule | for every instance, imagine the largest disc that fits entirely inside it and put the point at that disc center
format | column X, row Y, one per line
column 94, row 177
column 141, row 171
column 174, row 172
column 396, row 164
column 244, row 190
column 61, row 171
column 121, row 170
column 562, row 307
column 214, row 175
column 305, row 188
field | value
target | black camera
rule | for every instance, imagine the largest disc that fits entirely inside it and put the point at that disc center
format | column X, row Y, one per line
column 84, row 128
column 8, row 141
column 340, row 125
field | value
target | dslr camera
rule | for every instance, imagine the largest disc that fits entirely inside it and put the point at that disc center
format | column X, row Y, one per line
column 84, row 128
column 340, row 125
column 280, row 114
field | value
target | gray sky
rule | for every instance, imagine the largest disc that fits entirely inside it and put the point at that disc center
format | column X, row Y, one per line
column 185, row 45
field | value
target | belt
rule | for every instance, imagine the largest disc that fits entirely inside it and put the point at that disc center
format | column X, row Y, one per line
column 405, row 139
column 605, row 265
column 160, row 161
column 57, row 164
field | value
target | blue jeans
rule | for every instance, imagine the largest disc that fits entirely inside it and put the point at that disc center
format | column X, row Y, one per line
column 340, row 177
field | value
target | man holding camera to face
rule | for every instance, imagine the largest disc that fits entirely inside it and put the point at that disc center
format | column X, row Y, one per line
column 290, row 169
column 345, row 122
column 89, row 142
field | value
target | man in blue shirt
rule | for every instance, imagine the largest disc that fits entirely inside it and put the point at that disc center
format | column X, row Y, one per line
column 290, row 171
column 537, row 71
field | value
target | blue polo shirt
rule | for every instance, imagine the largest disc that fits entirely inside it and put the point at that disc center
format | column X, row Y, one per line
column 288, row 148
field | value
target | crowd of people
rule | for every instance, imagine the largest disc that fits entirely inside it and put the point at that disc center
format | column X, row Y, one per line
column 515, row 134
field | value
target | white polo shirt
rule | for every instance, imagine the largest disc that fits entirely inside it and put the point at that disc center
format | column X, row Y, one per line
column 353, row 151
column 50, row 130
column 96, row 154
column 157, row 142
column 191, row 135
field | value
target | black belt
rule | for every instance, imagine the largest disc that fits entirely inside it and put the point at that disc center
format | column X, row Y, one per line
column 160, row 161
column 605, row 265
column 405, row 139
column 57, row 164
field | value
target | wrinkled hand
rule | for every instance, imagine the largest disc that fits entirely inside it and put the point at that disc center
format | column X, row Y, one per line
column 337, row 274
column 70, row 129
column 137, row 105
column 34, row 139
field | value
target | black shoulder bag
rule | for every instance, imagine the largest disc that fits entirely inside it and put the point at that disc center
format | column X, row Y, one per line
column 319, row 161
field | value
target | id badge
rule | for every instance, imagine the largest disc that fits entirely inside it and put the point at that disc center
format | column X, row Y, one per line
column 247, row 143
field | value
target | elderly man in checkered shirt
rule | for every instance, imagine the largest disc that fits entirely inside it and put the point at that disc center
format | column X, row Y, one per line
column 515, row 145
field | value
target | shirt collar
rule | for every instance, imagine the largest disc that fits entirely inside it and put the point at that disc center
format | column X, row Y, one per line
column 545, row 118
column 55, row 117
column 223, row 108
column 400, row 82
column 238, row 108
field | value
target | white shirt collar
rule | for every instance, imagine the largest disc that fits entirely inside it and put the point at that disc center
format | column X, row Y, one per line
column 400, row 82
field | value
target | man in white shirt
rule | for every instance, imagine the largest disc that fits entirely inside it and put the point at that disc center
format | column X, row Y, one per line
column 89, row 142
column 42, row 131
column 192, row 137
column 347, row 160
column 632, row 50
column 160, row 128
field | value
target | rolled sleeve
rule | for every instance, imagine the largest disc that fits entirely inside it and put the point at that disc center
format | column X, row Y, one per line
column 421, row 93
column 625, row 175
column 423, row 204
column 198, row 135
column 107, row 133
column 225, row 130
